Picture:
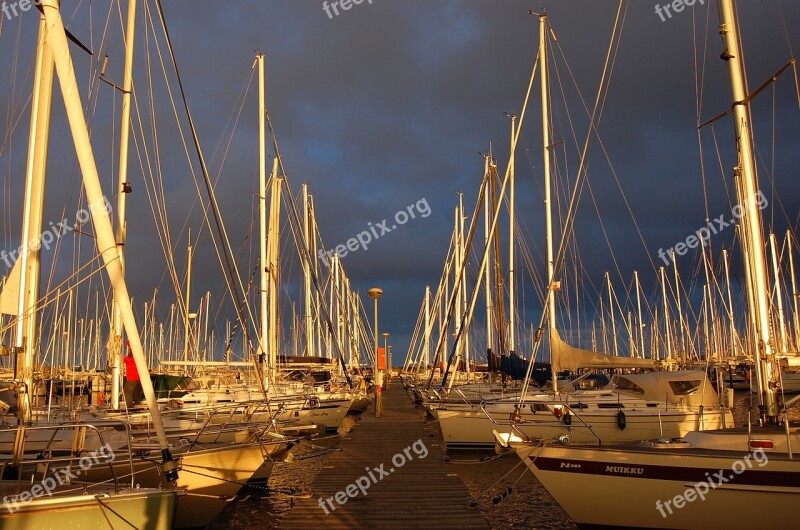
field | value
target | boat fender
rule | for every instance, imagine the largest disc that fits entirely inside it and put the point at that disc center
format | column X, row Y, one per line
column 621, row 421
column 100, row 398
column 567, row 418
column 506, row 493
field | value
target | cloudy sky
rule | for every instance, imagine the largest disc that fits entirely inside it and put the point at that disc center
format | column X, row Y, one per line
column 393, row 103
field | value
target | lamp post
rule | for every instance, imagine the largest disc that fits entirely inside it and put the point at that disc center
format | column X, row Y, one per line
column 388, row 362
column 376, row 293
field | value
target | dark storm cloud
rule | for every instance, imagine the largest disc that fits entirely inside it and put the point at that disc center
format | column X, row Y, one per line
column 391, row 102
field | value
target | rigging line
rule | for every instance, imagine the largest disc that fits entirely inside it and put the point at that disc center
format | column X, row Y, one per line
column 295, row 229
column 305, row 253
column 169, row 253
column 234, row 284
column 594, row 122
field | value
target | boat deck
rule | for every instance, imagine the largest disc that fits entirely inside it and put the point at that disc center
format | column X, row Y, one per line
column 415, row 490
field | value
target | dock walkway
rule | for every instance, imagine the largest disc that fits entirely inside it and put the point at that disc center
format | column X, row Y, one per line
column 390, row 473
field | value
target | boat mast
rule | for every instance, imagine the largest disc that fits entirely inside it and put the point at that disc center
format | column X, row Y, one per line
column 753, row 237
column 794, row 290
column 309, row 320
column 29, row 264
column 105, row 240
column 784, row 343
column 262, row 209
column 733, row 333
column 548, row 207
column 123, row 188
column 668, row 345
column 512, row 340
column 187, row 331
column 487, row 273
column 639, row 308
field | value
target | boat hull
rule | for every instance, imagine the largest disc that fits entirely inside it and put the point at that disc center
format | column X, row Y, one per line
column 669, row 489
column 143, row 509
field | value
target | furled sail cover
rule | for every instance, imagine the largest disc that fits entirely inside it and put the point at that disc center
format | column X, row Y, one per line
column 565, row 357
column 9, row 296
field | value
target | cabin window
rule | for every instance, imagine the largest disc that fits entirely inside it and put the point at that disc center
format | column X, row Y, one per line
column 610, row 406
column 682, row 388
column 627, row 385
column 579, row 406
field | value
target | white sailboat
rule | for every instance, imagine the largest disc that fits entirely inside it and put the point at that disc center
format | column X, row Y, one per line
column 632, row 407
column 738, row 478
column 142, row 508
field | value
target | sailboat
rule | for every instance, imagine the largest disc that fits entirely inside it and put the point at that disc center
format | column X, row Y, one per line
column 736, row 478
column 632, row 407
column 65, row 506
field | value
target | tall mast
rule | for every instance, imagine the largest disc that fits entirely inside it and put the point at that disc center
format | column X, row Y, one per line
column 794, row 290
column 487, row 273
column 262, row 211
column 29, row 264
column 426, row 347
column 272, row 268
column 115, row 353
column 681, row 347
column 307, row 293
column 548, row 206
column 753, row 237
column 668, row 344
column 730, row 303
column 639, row 307
column 187, row 331
column 464, row 347
column 105, row 240
column 784, row 343
column 611, row 313
column 512, row 340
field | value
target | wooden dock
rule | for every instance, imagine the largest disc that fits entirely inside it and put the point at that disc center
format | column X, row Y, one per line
column 415, row 489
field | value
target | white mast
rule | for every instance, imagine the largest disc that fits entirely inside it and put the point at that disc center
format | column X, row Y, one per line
column 668, row 344
column 115, row 352
column 611, row 312
column 512, row 340
column 551, row 301
column 681, row 348
column 794, row 290
column 307, row 236
column 730, row 303
column 29, row 265
column 639, row 306
column 106, row 243
column 273, row 268
column 753, row 237
column 187, row 331
column 487, row 274
column 426, row 348
column 784, row 343
column 262, row 211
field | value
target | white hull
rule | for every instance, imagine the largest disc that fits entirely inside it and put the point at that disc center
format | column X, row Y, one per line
column 211, row 477
column 653, row 487
column 468, row 426
column 143, row 509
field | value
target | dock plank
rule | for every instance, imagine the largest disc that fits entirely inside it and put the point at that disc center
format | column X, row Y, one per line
column 416, row 489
